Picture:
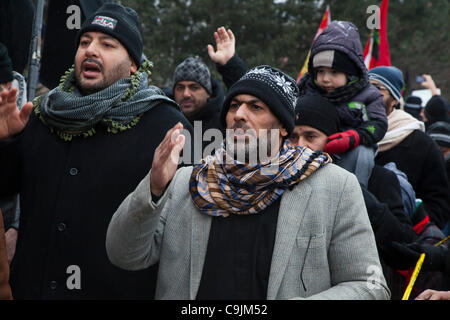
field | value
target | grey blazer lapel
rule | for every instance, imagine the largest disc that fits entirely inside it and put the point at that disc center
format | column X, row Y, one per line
column 201, row 225
column 292, row 210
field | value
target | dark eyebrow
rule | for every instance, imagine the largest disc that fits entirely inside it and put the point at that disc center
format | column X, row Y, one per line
column 251, row 101
column 106, row 37
column 310, row 132
column 86, row 35
column 102, row 37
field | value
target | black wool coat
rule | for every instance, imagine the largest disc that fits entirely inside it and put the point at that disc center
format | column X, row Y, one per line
column 419, row 157
column 69, row 192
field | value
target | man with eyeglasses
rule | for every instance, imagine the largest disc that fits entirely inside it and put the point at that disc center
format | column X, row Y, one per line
column 413, row 151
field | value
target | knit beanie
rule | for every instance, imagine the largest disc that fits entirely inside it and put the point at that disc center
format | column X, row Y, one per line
column 413, row 100
column 436, row 109
column 391, row 78
column 336, row 60
column 6, row 72
column 193, row 69
column 413, row 105
column 120, row 22
column 272, row 86
column 440, row 133
column 317, row 112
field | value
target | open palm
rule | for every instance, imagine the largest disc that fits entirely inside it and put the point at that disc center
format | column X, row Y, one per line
column 225, row 46
column 12, row 121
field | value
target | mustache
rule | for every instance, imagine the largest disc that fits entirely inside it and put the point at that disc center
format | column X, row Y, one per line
column 239, row 125
column 90, row 60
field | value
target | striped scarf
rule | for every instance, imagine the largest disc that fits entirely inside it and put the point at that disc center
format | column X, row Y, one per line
column 118, row 107
column 218, row 187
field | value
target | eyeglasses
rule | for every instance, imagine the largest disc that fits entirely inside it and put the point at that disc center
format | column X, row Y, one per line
column 379, row 87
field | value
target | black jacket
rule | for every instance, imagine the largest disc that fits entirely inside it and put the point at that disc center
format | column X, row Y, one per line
column 419, row 157
column 387, row 216
column 69, row 192
column 232, row 71
column 389, row 223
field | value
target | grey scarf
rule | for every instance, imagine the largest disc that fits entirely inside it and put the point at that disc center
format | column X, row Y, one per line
column 118, row 107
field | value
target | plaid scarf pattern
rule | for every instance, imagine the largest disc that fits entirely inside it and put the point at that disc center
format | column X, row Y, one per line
column 118, row 107
column 219, row 187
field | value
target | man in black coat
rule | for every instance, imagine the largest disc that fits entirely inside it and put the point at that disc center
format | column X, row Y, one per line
column 390, row 221
column 74, row 155
column 200, row 97
column 411, row 149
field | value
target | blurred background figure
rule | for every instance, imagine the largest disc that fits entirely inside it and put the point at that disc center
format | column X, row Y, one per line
column 413, row 105
column 437, row 107
column 440, row 133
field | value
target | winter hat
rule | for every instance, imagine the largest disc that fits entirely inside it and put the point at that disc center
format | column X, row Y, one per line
column 414, row 102
column 317, row 112
column 440, row 133
column 6, row 72
column 193, row 69
column 391, row 77
column 336, row 60
column 120, row 22
column 276, row 89
column 436, row 109
column 413, row 105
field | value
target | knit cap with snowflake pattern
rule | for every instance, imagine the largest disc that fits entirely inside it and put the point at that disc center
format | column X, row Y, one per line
column 273, row 87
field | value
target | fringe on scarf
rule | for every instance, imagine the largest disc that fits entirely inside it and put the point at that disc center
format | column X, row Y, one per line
column 67, row 83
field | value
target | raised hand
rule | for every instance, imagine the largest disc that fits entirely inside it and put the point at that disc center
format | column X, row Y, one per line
column 165, row 160
column 12, row 121
column 429, row 84
column 225, row 46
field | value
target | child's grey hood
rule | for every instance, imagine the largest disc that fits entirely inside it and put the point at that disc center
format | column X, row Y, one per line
column 342, row 36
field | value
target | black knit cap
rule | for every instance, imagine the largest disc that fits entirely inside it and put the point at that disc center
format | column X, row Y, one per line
column 6, row 72
column 272, row 86
column 436, row 109
column 120, row 22
column 414, row 100
column 193, row 69
column 440, row 133
column 317, row 112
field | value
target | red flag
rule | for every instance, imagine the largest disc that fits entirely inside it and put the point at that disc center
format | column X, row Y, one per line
column 326, row 19
column 376, row 52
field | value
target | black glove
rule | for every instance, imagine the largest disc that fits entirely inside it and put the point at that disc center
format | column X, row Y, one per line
column 435, row 257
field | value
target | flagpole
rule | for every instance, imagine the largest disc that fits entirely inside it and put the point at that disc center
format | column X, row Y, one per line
column 326, row 19
column 35, row 50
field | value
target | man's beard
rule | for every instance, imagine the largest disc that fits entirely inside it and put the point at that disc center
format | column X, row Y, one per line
column 250, row 148
column 116, row 73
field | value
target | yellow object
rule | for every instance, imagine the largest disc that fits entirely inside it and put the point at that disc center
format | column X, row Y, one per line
column 413, row 277
column 442, row 241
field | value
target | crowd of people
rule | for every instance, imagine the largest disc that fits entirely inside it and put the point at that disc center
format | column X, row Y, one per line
column 329, row 188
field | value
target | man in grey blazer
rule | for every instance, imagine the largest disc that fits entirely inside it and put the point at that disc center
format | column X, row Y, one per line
column 289, row 225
